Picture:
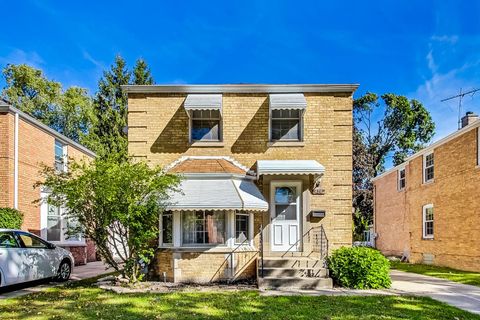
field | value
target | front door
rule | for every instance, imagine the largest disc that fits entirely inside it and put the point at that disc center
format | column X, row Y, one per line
column 285, row 215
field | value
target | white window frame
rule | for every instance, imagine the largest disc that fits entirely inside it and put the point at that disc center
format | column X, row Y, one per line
column 270, row 126
column 203, row 245
column 161, row 243
column 399, row 179
column 64, row 155
column 250, row 227
column 190, row 127
column 424, row 221
column 425, row 167
column 63, row 223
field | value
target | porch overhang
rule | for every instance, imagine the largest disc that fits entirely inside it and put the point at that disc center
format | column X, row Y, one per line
column 217, row 193
column 293, row 167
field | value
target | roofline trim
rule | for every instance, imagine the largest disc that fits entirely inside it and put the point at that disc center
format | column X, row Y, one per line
column 44, row 127
column 241, row 88
column 430, row 148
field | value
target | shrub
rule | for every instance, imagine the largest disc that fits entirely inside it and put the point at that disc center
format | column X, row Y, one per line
column 10, row 218
column 359, row 268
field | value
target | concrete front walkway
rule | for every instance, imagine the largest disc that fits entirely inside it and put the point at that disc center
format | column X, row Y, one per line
column 462, row 296
column 90, row 270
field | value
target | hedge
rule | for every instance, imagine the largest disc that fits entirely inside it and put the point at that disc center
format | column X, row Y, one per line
column 10, row 218
column 359, row 268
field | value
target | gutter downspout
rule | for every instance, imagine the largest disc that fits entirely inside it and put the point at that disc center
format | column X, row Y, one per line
column 15, row 164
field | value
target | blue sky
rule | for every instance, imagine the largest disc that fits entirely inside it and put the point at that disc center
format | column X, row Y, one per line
column 423, row 49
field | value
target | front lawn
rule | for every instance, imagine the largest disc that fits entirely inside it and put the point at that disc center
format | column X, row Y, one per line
column 86, row 302
column 465, row 277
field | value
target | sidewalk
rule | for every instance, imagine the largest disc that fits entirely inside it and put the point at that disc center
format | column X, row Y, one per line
column 462, row 296
column 90, row 270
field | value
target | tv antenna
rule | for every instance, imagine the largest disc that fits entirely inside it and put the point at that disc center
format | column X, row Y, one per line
column 460, row 98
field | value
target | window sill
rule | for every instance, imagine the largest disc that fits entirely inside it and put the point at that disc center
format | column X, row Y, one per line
column 207, row 144
column 426, row 183
column 69, row 244
column 286, row 144
column 216, row 249
column 424, row 238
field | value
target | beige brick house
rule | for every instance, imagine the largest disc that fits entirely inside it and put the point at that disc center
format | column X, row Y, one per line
column 26, row 144
column 428, row 208
column 267, row 173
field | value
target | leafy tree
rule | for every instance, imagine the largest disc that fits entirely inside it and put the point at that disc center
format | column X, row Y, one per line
column 141, row 73
column 117, row 203
column 29, row 90
column 390, row 126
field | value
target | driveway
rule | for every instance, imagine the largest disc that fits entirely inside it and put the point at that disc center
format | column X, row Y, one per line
column 90, row 270
column 462, row 296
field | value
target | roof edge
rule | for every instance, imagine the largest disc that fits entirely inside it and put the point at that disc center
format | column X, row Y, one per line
column 241, row 88
column 9, row 108
column 429, row 148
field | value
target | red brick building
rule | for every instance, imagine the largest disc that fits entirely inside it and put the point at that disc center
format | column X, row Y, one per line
column 26, row 144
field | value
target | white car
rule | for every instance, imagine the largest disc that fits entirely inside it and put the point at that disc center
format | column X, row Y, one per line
column 26, row 257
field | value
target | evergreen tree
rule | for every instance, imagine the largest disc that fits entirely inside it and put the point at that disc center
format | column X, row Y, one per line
column 141, row 73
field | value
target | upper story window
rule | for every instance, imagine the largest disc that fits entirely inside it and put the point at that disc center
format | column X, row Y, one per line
column 428, row 167
column 60, row 156
column 205, row 125
column 286, row 125
column 428, row 219
column 402, row 179
column 286, row 116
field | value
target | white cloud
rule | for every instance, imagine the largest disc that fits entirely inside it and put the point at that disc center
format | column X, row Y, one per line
column 18, row 56
column 95, row 62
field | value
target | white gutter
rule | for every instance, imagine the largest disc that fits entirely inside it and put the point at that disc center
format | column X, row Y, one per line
column 15, row 163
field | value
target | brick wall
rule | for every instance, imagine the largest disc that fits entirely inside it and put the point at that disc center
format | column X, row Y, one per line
column 35, row 147
column 158, row 133
column 454, row 195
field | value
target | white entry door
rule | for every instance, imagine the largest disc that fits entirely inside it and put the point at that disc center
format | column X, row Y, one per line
column 285, row 215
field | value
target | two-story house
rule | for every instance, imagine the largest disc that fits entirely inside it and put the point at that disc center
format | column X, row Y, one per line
column 267, row 173
column 427, row 209
column 26, row 144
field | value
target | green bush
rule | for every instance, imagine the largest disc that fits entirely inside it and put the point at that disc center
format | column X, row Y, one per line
column 10, row 218
column 359, row 268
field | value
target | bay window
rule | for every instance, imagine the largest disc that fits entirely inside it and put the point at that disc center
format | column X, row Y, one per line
column 203, row 227
column 167, row 227
column 242, row 227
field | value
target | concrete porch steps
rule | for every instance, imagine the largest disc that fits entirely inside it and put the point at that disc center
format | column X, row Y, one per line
column 301, row 273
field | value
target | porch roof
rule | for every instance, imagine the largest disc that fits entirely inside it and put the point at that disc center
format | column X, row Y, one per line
column 217, row 193
column 275, row 167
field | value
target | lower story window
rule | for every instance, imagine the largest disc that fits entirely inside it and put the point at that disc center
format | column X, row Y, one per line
column 428, row 220
column 167, row 227
column 203, row 227
column 242, row 227
column 61, row 228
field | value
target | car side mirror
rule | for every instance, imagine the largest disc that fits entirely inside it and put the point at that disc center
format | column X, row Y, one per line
column 51, row 246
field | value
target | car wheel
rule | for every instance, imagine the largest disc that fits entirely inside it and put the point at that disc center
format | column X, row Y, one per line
column 64, row 271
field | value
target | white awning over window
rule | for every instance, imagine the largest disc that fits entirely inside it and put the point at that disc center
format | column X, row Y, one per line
column 289, row 167
column 287, row 101
column 218, row 194
column 203, row 102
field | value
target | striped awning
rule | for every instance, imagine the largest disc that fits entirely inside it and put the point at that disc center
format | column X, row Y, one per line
column 277, row 167
column 203, row 102
column 217, row 194
column 287, row 101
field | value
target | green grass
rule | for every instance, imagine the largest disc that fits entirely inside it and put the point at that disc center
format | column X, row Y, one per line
column 465, row 277
column 82, row 301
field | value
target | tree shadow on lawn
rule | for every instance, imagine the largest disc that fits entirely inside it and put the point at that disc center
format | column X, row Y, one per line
column 94, row 303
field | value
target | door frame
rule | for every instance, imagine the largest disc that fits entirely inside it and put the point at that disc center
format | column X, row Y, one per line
column 299, row 187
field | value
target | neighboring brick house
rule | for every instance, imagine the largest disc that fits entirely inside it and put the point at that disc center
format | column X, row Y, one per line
column 25, row 145
column 428, row 208
column 276, row 158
